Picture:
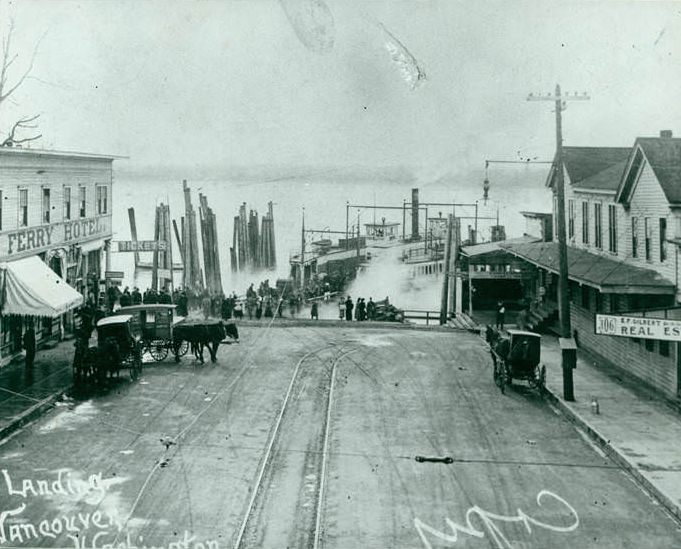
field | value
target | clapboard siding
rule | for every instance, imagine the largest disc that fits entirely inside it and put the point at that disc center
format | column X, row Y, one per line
column 628, row 354
column 34, row 177
column 648, row 201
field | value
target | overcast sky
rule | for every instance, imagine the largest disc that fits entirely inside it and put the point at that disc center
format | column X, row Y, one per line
column 249, row 82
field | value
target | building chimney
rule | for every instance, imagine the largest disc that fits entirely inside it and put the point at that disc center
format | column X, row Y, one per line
column 666, row 134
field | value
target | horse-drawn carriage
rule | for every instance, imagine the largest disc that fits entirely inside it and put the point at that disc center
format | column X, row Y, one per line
column 516, row 356
column 157, row 323
column 163, row 331
column 115, row 344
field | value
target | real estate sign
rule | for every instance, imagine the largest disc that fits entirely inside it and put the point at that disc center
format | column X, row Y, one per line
column 639, row 327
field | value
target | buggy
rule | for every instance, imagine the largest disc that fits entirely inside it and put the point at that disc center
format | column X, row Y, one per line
column 516, row 356
column 114, row 345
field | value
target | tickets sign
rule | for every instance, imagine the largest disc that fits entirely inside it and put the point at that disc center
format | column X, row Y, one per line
column 639, row 327
column 141, row 245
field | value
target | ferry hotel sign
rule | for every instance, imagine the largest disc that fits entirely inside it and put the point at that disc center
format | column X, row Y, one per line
column 37, row 239
column 640, row 327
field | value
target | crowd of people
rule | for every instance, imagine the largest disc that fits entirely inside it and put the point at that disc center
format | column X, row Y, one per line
column 363, row 310
column 265, row 301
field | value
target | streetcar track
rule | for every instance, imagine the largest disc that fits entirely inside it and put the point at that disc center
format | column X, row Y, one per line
column 325, row 446
column 266, row 457
column 267, row 460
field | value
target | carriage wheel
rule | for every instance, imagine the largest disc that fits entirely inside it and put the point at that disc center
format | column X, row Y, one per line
column 157, row 349
column 184, row 347
column 497, row 375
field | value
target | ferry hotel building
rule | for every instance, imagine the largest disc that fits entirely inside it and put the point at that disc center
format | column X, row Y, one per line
column 623, row 223
column 55, row 224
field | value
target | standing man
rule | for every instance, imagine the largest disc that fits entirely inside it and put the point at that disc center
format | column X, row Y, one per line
column 29, row 344
column 371, row 309
column 501, row 313
column 348, row 308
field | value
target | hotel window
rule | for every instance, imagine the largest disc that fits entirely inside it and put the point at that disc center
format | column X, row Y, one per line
column 67, row 203
column 82, row 199
column 101, row 199
column 598, row 223
column 634, row 237
column 46, row 205
column 663, row 238
column 648, row 230
column 612, row 228
column 23, row 207
column 585, row 222
column 571, row 218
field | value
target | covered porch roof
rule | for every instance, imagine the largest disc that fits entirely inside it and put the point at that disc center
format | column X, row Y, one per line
column 606, row 274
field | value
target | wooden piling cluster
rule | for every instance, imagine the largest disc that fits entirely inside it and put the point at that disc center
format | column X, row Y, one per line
column 162, row 265
column 253, row 243
column 192, row 276
column 211, row 255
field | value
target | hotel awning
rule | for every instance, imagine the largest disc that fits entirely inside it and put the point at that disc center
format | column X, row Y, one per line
column 31, row 288
column 606, row 274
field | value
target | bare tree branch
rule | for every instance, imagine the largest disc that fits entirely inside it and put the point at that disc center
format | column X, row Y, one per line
column 25, row 123
column 7, row 59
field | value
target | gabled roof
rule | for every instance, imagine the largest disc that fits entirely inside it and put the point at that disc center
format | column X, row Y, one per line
column 663, row 154
column 597, row 168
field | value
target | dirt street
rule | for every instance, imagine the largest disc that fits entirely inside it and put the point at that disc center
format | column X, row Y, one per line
column 306, row 437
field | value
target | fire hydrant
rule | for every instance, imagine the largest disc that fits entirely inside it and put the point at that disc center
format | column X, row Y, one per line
column 595, row 408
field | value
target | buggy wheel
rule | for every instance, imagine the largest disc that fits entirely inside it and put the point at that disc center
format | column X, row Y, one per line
column 184, row 347
column 157, row 349
column 496, row 375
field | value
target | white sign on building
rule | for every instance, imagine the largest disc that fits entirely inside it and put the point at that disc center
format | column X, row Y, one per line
column 639, row 327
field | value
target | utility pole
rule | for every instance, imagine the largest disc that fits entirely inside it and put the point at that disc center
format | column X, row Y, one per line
column 568, row 347
column 302, row 253
column 444, row 303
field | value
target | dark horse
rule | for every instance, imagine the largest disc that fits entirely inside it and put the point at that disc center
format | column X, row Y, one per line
column 499, row 345
column 202, row 334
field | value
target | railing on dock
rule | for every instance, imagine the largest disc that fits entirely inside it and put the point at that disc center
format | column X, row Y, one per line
column 422, row 314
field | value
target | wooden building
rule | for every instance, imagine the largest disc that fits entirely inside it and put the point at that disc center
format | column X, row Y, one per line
column 55, row 226
column 623, row 224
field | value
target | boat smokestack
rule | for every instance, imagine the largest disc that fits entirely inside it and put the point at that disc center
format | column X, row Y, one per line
column 415, row 214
